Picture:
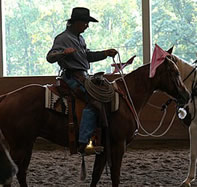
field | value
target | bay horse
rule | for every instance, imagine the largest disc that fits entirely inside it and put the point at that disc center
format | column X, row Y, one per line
column 7, row 167
column 188, row 74
column 24, row 117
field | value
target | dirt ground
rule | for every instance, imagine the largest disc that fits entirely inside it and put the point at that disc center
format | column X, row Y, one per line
column 145, row 164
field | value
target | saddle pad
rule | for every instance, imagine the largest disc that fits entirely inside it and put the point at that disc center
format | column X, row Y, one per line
column 52, row 101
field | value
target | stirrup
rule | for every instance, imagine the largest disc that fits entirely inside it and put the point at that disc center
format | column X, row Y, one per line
column 93, row 150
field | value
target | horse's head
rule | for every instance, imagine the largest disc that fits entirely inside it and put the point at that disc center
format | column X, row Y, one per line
column 171, row 82
column 7, row 167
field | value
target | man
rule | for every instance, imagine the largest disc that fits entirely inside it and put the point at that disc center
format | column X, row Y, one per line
column 69, row 50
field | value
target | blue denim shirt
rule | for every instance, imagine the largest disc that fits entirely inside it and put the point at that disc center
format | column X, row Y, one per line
column 77, row 60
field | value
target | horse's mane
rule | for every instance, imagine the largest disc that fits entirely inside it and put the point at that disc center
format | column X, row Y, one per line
column 185, row 68
column 143, row 68
column 182, row 64
column 137, row 79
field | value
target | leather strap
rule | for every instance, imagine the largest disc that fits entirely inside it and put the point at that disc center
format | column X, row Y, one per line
column 71, row 129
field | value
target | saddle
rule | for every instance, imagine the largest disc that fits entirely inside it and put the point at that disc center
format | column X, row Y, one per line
column 72, row 104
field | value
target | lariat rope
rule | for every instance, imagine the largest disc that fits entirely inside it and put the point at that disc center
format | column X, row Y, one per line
column 103, row 93
column 139, row 125
column 128, row 94
column 161, row 122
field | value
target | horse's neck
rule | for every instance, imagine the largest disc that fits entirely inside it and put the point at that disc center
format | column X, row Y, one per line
column 139, row 86
column 185, row 69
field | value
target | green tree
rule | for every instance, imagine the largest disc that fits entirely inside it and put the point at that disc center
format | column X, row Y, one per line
column 174, row 23
column 31, row 25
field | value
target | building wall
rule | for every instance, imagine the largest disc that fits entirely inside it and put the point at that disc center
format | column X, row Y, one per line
column 150, row 116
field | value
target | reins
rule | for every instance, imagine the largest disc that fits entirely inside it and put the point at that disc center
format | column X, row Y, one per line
column 132, row 108
column 161, row 122
column 128, row 94
column 190, row 74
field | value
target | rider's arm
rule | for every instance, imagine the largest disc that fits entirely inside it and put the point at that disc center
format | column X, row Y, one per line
column 55, row 55
column 62, row 47
column 100, row 55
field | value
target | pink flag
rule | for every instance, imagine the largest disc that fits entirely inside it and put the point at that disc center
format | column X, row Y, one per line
column 121, row 66
column 158, row 57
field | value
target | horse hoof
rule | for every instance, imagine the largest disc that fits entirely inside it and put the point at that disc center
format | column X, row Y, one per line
column 185, row 185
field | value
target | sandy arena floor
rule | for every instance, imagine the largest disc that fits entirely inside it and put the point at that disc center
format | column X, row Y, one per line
column 145, row 164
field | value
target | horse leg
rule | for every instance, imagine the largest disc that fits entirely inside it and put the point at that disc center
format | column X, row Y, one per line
column 22, row 161
column 193, row 156
column 99, row 165
column 22, row 175
column 117, row 154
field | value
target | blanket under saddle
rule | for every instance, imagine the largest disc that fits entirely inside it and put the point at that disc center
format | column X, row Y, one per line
column 53, row 101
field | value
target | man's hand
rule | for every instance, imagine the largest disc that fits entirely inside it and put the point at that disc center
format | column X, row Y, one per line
column 68, row 51
column 111, row 52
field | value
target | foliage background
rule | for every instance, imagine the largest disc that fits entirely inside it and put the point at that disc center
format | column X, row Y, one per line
column 31, row 25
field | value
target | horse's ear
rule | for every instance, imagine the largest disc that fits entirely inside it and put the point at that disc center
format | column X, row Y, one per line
column 170, row 50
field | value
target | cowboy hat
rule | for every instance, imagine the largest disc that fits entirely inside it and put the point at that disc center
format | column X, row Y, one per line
column 81, row 14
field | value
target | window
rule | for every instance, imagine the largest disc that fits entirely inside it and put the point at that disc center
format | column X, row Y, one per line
column 31, row 25
column 174, row 23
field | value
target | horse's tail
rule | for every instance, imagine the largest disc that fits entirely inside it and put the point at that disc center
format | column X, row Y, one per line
column 83, row 169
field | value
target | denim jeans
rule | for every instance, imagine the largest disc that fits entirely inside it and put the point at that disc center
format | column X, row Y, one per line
column 88, row 124
column 89, row 115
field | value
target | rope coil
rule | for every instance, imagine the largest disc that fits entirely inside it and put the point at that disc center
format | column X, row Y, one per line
column 103, row 93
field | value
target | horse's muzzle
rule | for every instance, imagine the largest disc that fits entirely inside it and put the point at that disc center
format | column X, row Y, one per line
column 183, row 99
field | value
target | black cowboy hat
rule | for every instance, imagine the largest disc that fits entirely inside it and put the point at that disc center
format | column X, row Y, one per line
column 81, row 14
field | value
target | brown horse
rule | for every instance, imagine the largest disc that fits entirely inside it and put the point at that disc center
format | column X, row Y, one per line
column 24, row 117
column 7, row 167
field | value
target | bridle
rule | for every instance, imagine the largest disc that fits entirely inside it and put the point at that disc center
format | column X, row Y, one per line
column 174, row 83
column 193, row 87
